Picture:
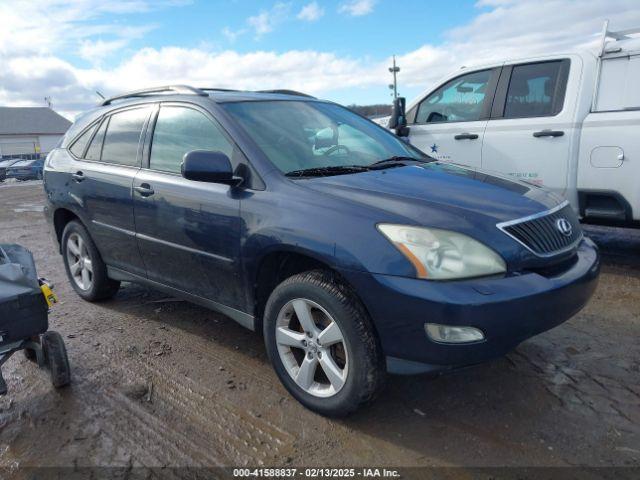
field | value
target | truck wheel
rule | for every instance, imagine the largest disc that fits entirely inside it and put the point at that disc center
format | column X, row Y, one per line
column 322, row 345
column 55, row 354
column 83, row 263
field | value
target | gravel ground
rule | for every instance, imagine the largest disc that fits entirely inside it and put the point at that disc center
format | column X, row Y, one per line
column 159, row 382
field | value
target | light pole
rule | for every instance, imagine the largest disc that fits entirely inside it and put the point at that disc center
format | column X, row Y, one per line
column 394, row 70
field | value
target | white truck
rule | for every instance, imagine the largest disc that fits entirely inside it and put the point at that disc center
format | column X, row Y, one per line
column 570, row 122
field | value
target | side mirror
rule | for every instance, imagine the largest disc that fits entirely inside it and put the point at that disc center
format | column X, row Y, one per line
column 398, row 120
column 208, row 166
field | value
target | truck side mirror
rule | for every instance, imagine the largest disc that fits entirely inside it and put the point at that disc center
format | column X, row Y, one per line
column 398, row 120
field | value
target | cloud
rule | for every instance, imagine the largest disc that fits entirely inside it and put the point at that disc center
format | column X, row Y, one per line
column 357, row 8
column 32, row 67
column 232, row 35
column 96, row 51
column 267, row 20
column 310, row 12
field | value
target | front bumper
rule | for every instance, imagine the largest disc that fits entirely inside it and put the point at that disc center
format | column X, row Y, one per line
column 507, row 309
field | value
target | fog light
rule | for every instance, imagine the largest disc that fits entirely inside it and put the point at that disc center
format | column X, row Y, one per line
column 453, row 334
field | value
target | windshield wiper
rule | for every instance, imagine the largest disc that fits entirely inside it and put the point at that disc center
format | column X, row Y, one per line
column 326, row 171
column 396, row 160
column 391, row 162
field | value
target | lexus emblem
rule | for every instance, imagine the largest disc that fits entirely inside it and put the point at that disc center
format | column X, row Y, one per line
column 564, row 227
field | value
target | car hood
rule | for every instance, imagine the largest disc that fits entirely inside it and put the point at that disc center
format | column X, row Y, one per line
column 440, row 194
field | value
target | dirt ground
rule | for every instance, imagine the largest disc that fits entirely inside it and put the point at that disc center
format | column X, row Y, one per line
column 159, row 382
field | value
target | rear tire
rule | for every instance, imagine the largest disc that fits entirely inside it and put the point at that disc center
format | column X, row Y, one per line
column 55, row 354
column 347, row 367
column 85, row 269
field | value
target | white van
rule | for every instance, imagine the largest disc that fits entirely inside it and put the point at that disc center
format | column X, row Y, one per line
column 570, row 122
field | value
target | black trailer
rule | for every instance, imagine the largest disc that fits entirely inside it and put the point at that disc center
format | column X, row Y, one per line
column 24, row 322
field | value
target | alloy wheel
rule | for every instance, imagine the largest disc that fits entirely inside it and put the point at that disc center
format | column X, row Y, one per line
column 312, row 347
column 79, row 261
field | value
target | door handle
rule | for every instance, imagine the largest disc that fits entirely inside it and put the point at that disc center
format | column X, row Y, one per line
column 145, row 190
column 466, row 136
column 78, row 176
column 548, row 133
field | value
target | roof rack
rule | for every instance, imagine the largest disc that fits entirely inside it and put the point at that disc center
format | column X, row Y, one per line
column 180, row 89
column 619, row 35
column 216, row 89
column 286, row 92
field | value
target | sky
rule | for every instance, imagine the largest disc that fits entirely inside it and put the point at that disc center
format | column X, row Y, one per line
column 335, row 49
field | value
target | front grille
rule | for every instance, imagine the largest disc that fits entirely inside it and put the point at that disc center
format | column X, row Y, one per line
column 546, row 233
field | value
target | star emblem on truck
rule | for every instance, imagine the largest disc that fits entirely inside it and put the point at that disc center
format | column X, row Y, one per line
column 434, row 148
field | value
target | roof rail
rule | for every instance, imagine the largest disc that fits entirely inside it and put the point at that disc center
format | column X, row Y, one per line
column 180, row 89
column 216, row 89
column 286, row 92
column 619, row 35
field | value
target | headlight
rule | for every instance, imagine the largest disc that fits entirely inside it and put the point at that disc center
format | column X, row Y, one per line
column 442, row 254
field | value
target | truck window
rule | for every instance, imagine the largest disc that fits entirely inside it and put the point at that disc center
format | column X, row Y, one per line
column 180, row 130
column 536, row 90
column 618, row 88
column 123, row 136
column 462, row 99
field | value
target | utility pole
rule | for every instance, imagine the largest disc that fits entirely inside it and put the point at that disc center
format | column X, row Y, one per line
column 394, row 70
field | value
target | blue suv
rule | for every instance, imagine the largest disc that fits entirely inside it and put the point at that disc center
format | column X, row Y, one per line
column 353, row 252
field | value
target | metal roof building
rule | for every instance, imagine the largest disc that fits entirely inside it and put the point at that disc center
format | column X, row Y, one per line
column 29, row 131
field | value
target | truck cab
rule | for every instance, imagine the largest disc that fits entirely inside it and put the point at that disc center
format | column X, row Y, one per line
column 562, row 121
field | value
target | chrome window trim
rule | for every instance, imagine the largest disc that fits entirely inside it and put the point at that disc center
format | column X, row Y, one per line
column 503, row 225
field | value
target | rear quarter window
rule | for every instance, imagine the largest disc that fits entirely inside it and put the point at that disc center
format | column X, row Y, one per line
column 80, row 144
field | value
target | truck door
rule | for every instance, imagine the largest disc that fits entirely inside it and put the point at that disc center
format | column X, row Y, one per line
column 531, row 134
column 449, row 123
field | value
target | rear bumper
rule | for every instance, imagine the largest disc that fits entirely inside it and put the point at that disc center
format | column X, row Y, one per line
column 508, row 310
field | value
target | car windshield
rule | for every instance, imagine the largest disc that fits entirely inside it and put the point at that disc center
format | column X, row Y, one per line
column 300, row 136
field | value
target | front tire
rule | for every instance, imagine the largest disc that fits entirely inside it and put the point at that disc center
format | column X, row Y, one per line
column 322, row 344
column 84, row 266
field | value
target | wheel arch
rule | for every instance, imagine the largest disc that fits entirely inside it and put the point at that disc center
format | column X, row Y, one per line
column 61, row 217
column 276, row 266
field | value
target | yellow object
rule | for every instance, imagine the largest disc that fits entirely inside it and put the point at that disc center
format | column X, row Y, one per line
column 49, row 296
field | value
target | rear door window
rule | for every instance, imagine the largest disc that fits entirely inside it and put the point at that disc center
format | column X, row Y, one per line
column 536, row 89
column 123, row 136
column 180, row 130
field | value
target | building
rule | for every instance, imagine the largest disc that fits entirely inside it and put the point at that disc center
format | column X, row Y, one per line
column 28, row 132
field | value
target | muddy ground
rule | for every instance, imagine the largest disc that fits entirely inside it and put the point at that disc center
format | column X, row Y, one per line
column 158, row 382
